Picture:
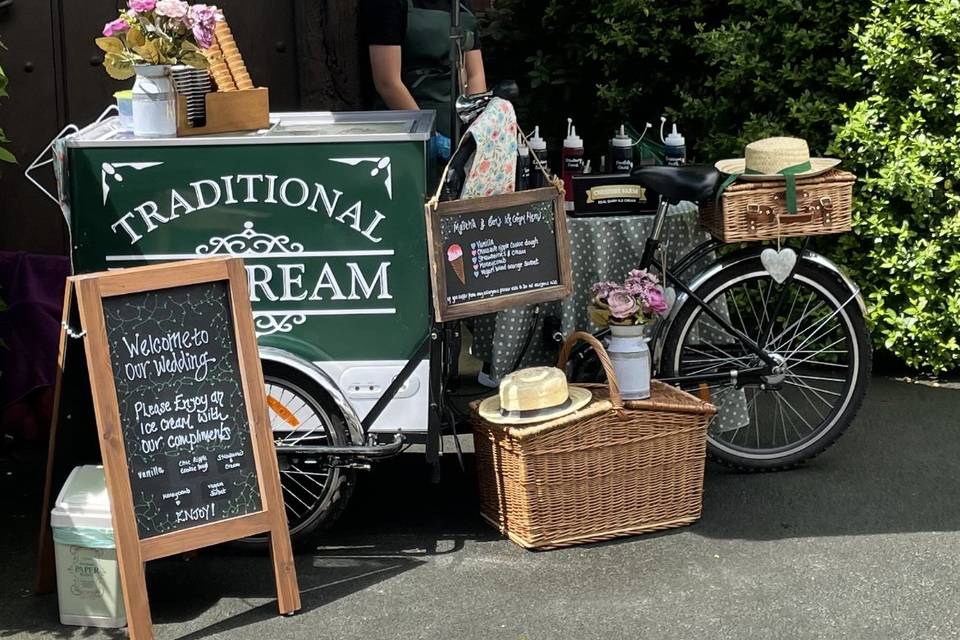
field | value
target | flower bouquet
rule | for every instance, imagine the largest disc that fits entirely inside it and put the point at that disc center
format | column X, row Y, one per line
column 626, row 308
column 157, row 32
column 636, row 302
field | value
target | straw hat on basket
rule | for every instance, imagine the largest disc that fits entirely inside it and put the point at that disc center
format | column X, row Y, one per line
column 531, row 395
column 774, row 159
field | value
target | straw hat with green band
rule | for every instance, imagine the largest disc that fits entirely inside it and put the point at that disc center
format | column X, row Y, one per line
column 775, row 159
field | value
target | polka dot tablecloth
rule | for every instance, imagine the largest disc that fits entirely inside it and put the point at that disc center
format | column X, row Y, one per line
column 601, row 248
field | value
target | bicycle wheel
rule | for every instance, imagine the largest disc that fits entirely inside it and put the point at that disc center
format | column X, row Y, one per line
column 314, row 493
column 820, row 340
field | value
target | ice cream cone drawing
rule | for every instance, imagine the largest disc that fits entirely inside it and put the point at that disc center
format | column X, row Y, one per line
column 455, row 258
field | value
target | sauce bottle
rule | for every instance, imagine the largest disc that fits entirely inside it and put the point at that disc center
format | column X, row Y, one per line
column 523, row 165
column 572, row 163
column 621, row 153
column 539, row 148
column 674, row 149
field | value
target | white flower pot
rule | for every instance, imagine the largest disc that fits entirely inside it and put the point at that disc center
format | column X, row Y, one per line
column 154, row 102
column 630, row 356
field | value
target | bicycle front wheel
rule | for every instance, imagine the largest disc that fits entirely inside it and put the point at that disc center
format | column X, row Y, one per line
column 811, row 326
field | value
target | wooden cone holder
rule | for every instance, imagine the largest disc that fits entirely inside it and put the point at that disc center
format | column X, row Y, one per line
column 228, row 111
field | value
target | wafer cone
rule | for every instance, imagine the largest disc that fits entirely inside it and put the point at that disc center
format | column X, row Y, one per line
column 458, row 269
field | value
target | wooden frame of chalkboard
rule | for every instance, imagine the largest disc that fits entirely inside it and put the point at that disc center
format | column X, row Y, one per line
column 486, row 261
column 93, row 294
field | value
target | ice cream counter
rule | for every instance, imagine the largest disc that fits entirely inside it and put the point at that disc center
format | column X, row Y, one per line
column 326, row 209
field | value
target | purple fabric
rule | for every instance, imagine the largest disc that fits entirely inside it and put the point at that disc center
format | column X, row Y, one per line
column 31, row 286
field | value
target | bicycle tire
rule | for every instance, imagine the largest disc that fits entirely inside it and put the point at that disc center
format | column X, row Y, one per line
column 827, row 433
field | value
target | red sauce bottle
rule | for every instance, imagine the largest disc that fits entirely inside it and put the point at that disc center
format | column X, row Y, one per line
column 572, row 163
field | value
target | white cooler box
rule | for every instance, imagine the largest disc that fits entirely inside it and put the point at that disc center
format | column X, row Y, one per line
column 88, row 582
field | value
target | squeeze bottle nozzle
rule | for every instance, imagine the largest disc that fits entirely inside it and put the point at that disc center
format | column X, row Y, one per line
column 572, row 141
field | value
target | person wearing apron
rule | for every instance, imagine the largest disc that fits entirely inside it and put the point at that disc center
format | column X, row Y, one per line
column 409, row 45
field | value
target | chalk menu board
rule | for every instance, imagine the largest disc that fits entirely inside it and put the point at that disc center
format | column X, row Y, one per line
column 492, row 253
column 183, row 414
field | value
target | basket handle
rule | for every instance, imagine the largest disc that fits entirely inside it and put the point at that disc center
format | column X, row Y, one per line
column 615, row 398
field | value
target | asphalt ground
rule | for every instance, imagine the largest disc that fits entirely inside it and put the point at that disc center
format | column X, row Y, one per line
column 863, row 542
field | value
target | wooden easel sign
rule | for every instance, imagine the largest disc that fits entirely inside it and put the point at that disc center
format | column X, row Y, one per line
column 182, row 418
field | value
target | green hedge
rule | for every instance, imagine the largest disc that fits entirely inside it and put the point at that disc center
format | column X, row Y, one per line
column 903, row 140
column 876, row 83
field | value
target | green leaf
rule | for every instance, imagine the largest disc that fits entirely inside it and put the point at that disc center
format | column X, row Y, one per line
column 135, row 38
column 110, row 45
column 119, row 67
column 149, row 52
column 6, row 156
column 189, row 46
column 195, row 59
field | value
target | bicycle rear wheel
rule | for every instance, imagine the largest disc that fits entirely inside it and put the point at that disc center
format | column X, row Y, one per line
column 819, row 337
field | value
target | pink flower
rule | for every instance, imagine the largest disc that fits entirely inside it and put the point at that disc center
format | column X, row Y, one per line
column 622, row 304
column 602, row 289
column 655, row 301
column 141, row 6
column 203, row 19
column 175, row 9
column 113, row 28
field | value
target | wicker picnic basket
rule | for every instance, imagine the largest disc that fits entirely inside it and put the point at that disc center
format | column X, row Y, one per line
column 611, row 469
column 750, row 210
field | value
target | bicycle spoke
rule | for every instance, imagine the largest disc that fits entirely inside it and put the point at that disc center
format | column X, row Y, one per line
column 792, row 425
column 798, row 414
column 812, row 388
column 832, row 315
column 293, row 478
column 729, row 356
column 821, row 378
column 795, row 327
column 804, row 387
column 811, row 356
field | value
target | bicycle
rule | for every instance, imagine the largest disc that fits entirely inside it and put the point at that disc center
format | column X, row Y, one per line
column 786, row 363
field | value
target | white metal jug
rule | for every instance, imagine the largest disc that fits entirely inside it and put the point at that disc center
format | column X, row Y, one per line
column 630, row 356
column 154, row 102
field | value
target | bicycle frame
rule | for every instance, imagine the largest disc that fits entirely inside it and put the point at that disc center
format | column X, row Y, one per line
column 648, row 259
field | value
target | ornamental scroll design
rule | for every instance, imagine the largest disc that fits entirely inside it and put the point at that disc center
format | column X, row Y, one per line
column 251, row 242
column 283, row 322
column 247, row 242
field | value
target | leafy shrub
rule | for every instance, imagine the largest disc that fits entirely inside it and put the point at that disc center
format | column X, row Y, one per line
column 729, row 72
column 771, row 68
column 740, row 70
column 903, row 140
column 5, row 155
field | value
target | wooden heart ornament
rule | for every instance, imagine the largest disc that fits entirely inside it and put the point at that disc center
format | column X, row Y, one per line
column 779, row 264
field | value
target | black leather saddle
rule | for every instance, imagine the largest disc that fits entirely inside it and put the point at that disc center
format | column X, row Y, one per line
column 694, row 183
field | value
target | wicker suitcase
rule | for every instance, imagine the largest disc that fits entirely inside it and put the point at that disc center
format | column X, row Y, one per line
column 757, row 210
column 611, row 469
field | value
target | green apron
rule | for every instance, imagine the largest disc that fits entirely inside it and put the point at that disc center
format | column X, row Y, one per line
column 426, row 58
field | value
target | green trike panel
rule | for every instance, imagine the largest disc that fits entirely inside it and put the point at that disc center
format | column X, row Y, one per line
column 326, row 212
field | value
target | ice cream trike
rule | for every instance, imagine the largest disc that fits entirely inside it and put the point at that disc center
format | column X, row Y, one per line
column 326, row 211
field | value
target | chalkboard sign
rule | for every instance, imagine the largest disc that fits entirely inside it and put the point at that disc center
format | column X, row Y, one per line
column 183, row 414
column 488, row 254
column 182, row 419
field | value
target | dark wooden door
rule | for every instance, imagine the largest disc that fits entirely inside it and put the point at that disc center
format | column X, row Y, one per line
column 30, row 117
column 306, row 51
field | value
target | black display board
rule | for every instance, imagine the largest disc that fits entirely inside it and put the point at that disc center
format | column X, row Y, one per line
column 492, row 253
column 183, row 414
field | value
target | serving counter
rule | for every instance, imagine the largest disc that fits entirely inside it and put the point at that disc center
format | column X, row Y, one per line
column 326, row 209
